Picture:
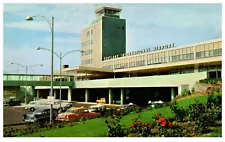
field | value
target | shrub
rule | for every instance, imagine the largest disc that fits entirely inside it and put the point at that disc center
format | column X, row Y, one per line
column 115, row 129
column 186, row 92
column 195, row 110
column 8, row 132
column 211, row 80
column 205, row 120
column 179, row 112
column 192, row 90
column 214, row 100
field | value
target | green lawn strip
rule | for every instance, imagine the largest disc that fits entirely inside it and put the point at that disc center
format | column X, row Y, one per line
column 92, row 128
column 98, row 128
column 216, row 133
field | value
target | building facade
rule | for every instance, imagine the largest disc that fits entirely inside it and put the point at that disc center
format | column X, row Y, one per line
column 108, row 71
column 106, row 36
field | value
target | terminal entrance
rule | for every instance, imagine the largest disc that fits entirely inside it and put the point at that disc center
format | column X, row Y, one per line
column 141, row 96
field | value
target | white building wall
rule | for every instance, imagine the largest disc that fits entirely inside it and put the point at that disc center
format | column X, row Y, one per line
column 176, row 80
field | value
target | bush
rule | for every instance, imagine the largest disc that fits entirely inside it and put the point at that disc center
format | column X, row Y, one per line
column 186, row 92
column 115, row 129
column 8, row 132
column 195, row 110
column 176, row 131
column 206, row 120
column 214, row 100
column 179, row 112
column 211, row 80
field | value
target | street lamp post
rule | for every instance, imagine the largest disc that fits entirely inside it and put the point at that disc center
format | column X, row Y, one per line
column 51, row 24
column 60, row 56
column 26, row 68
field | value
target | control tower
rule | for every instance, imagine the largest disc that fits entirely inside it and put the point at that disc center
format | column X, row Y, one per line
column 106, row 36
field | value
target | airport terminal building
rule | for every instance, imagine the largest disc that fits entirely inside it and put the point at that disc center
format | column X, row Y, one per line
column 158, row 73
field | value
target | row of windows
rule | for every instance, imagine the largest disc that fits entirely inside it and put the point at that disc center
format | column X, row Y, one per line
column 182, row 57
column 156, row 61
column 212, row 68
column 87, row 52
column 86, row 43
column 84, row 62
column 209, row 53
column 121, row 66
column 176, row 58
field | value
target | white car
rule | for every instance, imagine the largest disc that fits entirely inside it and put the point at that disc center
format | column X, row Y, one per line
column 33, row 105
column 64, row 105
column 44, row 104
column 154, row 103
column 97, row 108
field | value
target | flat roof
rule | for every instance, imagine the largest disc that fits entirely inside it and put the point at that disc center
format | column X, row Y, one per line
column 85, row 69
column 107, row 7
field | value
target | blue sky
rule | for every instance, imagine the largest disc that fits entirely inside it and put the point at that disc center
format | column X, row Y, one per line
column 147, row 25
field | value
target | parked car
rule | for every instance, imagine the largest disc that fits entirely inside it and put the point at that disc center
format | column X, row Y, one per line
column 11, row 101
column 33, row 105
column 102, row 100
column 97, row 108
column 74, row 114
column 126, row 106
column 64, row 105
column 156, row 104
column 41, row 104
column 40, row 115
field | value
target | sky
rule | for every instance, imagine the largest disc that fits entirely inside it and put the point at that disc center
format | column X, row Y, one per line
column 147, row 25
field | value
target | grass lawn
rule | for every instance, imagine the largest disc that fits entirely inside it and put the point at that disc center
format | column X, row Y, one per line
column 216, row 133
column 98, row 128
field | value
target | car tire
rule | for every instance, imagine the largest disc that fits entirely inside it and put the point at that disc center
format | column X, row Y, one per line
column 32, row 109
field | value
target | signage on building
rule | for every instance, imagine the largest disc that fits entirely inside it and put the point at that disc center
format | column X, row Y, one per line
column 142, row 51
column 164, row 47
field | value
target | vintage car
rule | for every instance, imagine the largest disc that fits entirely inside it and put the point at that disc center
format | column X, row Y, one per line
column 102, row 100
column 97, row 108
column 64, row 105
column 11, row 101
column 41, row 104
column 33, row 105
column 40, row 115
column 155, row 103
column 74, row 114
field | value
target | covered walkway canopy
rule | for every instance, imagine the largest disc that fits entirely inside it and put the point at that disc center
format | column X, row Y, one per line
column 84, row 72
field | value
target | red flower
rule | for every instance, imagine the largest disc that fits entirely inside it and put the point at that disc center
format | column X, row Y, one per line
column 151, row 125
column 132, row 125
column 163, row 124
column 170, row 124
column 139, row 123
column 161, row 119
column 146, row 123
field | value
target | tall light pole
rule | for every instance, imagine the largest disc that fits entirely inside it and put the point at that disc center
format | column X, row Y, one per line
column 60, row 56
column 51, row 25
column 26, row 68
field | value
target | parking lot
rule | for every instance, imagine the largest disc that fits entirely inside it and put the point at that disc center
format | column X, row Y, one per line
column 14, row 115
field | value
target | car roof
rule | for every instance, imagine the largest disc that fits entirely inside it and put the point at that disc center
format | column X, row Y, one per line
column 76, row 108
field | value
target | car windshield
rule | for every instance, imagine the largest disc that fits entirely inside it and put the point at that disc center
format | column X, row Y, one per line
column 32, row 103
column 37, row 111
column 71, row 111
